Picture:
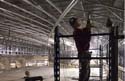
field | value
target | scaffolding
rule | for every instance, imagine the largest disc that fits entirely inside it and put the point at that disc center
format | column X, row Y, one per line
column 113, row 54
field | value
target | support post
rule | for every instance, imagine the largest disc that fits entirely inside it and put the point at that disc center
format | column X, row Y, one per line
column 56, row 56
column 101, row 64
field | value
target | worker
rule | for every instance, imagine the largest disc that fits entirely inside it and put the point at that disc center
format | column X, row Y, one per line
column 27, row 74
column 35, row 78
column 82, row 37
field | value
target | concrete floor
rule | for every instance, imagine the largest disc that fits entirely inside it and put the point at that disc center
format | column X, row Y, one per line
column 46, row 72
column 67, row 74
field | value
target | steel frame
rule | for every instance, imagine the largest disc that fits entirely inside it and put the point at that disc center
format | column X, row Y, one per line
column 113, row 56
column 42, row 10
column 17, row 7
column 69, row 7
column 23, row 22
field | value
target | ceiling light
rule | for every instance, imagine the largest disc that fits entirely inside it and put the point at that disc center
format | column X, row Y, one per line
column 1, row 0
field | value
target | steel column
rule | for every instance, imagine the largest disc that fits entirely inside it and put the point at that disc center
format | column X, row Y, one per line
column 101, row 64
column 56, row 56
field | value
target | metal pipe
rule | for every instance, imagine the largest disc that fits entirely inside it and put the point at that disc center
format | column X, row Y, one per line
column 54, row 6
column 22, row 21
column 5, row 10
column 98, row 34
column 25, row 11
column 112, row 7
column 121, row 10
column 26, row 27
column 70, row 58
column 95, row 14
column 56, row 56
column 108, row 9
column 83, row 9
column 115, row 15
column 17, row 28
column 101, row 63
column 42, row 10
column 120, row 37
column 24, row 37
column 70, row 6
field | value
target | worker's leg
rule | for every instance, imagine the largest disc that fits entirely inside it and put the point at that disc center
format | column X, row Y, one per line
column 84, row 67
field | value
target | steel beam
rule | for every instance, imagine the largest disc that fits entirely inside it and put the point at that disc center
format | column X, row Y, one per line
column 108, row 9
column 111, row 7
column 98, row 34
column 69, row 7
column 21, row 21
column 54, row 6
column 104, row 5
column 17, row 28
column 17, row 7
column 56, row 56
column 16, row 14
column 21, row 26
column 24, row 37
column 72, row 58
column 42, row 10
column 83, row 9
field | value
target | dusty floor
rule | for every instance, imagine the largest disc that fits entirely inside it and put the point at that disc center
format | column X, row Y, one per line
column 67, row 74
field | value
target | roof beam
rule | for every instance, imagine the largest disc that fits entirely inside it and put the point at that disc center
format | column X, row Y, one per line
column 13, row 5
column 22, row 21
column 24, row 17
column 54, row 6
column 115, row 14
column 104, row 5
column 109, row 10
column 69, row 7
column 111, row 7
column 12, row 26
column 42, row 10
column 27, row 27
column 20, row 33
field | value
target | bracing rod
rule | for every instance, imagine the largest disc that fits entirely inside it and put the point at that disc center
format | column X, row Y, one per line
column 98, row 34
column 70, row 58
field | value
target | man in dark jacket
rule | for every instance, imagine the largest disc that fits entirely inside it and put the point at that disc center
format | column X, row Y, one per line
column 82, row 39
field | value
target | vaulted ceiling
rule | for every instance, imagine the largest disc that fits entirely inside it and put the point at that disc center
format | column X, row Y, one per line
column 35, row 20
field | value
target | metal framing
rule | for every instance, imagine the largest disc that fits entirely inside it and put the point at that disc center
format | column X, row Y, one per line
column 68, row 8
column 41, row 16
column 17, row 46
column 56, row 56
column 113, row 46
column 113, row 54
column 101, row 63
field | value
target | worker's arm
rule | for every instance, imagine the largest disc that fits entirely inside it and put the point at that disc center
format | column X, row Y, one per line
column 88, row 25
